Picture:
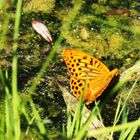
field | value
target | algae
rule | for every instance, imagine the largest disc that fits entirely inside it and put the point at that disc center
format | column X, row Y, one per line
column 114, row 39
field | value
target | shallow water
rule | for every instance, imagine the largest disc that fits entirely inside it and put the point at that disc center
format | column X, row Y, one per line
column 99, row 29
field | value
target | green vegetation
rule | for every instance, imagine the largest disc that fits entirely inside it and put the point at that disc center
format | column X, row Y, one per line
column 31, row 105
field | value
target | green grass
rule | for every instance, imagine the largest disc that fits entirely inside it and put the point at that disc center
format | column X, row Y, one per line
column 14, row 107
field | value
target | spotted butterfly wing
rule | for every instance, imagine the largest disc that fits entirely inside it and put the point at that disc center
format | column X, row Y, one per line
column 88, row 71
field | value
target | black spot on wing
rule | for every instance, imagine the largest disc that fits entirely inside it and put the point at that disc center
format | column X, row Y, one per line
column 79, row 60
column 79, row 68
column 86, row 65
column 73, row 70
column 80, row 84
column 77, row 64
column 85, row 57
column 72, row 65
column 76, row 87
column 76, row 74
column 95, row 62
column 91, row 61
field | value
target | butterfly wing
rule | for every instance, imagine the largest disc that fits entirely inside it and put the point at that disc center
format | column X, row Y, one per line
column 83, row 66
column 77, row 86
column 92, row 88
column 87, row 72
column 97, row 86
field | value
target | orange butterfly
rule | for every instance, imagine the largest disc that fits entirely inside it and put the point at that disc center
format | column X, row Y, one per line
column 87, row 73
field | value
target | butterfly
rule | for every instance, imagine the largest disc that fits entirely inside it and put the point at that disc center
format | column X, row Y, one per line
column 88, row 75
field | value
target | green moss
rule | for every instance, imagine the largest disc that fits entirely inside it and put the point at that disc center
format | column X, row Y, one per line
column 39, row 6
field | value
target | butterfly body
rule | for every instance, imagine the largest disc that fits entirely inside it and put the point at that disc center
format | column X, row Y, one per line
column 88, row 75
